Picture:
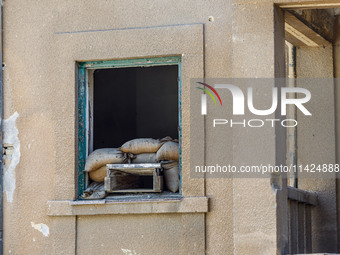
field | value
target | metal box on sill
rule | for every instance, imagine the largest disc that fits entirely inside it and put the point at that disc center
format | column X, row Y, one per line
column 134, row 178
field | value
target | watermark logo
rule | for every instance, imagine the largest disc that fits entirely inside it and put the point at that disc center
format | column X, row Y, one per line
column 239, row 99
column 204, row 96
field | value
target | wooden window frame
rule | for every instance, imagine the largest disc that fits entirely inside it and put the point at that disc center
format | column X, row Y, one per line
column 83, row 105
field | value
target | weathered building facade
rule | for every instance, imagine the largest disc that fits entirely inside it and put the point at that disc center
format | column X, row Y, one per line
column 43, row 43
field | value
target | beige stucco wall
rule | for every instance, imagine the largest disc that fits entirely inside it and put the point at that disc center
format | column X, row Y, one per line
column 42, row 41
column 40, row 86
column 318, row 133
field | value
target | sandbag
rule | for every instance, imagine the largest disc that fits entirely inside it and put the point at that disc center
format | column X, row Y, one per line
column 144, row 158
column 167, row 139
column 141, row 145
column 101, row 157
column 99, row 174
column 95, row 190
column 168, row 151
column 171, row 176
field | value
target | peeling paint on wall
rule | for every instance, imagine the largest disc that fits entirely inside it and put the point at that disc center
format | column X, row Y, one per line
column 43, row 228
column 129, row 252
column 11, row 159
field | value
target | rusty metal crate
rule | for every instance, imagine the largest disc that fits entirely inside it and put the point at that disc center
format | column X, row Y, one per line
column 129, row 178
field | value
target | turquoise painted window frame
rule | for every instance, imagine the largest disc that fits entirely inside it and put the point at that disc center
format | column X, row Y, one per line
column 83, row 68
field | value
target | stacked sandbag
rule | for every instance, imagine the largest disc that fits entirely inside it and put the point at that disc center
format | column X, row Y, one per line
column 141, row 145
column 148, row 150
column 144, row 158
column 97, row 160
column 171, row 176
column 94, row 191
column 141, row 150
column 168, row 151
column 167, row 139
column 99, row 174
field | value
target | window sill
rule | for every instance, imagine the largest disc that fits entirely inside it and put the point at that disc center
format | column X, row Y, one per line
column 136, row 206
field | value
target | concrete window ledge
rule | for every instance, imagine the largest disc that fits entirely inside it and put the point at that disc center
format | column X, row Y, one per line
column 100, row 207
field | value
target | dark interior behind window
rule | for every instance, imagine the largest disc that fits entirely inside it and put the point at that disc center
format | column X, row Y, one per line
column 136, row 102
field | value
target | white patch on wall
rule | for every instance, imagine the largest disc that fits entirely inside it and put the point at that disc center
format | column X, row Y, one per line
column 43, row 228
column 10, row 133
column 129, row 252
